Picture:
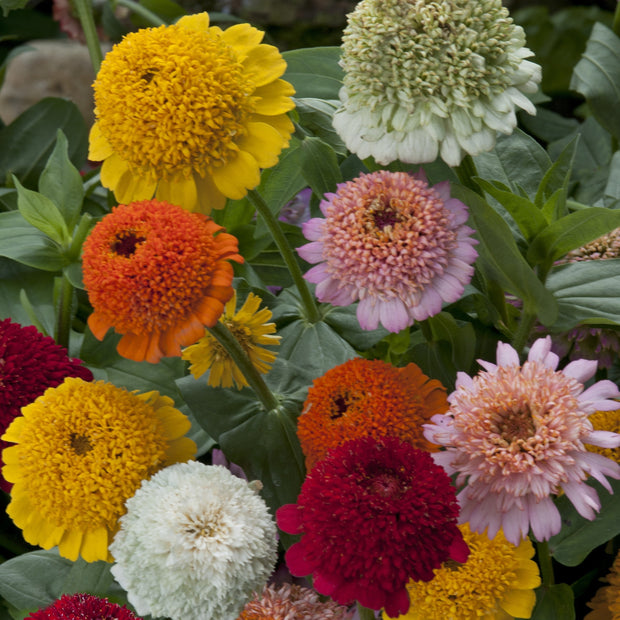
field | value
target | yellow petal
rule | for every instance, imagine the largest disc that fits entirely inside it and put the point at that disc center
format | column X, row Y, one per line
column 209, row 196
column 70, row 545
column 528, row 575
column 180, row 450
column 127, row 187
column 274, row 98
column 95, row 545
column 264, row 64
column 281, row 123
column 98, row 146
column 519, row 603
column 20, row 509
column 49, row 534
column 199, row 21
column 263, row 142
column 14, row 430
column 179, row 191
column 242, row 37
column 174, row 423
column 238, row 175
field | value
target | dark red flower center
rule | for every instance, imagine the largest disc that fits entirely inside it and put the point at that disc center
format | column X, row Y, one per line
column 387, row 485
column 126, row 243
column 80, row 444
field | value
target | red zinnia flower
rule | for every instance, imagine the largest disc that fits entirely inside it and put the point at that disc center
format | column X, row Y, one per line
column 158, row 275
column 363, row 398
column 29, row 363
column 373, row 515
column 82, row 607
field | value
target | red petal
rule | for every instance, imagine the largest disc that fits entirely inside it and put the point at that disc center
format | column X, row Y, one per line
column 289, row 519
column 459, row 551
column 397, row 604
column 296, row 561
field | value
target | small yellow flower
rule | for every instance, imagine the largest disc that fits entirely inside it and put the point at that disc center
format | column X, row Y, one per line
column 496, row 583
column 606, row 602
column 82, row 449
column 189, row 113
column 249, row 326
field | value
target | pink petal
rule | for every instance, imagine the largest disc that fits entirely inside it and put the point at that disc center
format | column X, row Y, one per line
column 581, row 370
column 311, row 252
column 506, row 355
column 393, row 315
column 584, row 499
column 544, row 517
column 317, row 274
column 603, row 439
column 313, row 228
column 368, row 313
column 594, row 397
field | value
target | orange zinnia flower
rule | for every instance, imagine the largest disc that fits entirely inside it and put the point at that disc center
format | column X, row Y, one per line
column 158, row 275
column 368, row 398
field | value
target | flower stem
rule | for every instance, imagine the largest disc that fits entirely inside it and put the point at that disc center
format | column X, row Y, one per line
column 365, row 613
column 523, row 331
column 225, row 337
column 142, row 11
column 64, row 313
column 545, row 563
column 85, row 13
column 312, row 312
column 465, row 173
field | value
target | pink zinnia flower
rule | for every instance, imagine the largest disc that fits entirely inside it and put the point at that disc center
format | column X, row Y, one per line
column 515, row 435
column 82, row 607
column 373, row 515
column 390, row 240
column 29, row 363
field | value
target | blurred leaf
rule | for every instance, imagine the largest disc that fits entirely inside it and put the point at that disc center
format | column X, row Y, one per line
column 517, row 161
column 168, row 10
column 11, row 5
column 315, row 115
column 586, row 290
column 314, row 72
column 319, row 165
column 571, row 232
column 612, row 189
column 597, row 77
column 27, row 143
column 40, row 212
column 500, row 259
column 554, row 603
column 547, row 125
column 61, row 182
column 22, row 242
column 578, row 536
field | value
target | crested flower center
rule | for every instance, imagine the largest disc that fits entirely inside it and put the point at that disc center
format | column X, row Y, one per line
column 86, row 449
column 387, row 485
column 388, row 233
column 415, row 52
column 516, row 418
column 172, row 100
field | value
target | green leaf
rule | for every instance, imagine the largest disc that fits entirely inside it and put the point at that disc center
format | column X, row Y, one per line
column 612, row 189
column 320, row 166
column 343, row 319
column 21, row 242
column 61, row 182
column 578, row 536
column 33, row 580
column 27, row 143
column 517, row 161
column 500, row 259
column 314, row 72
column 554, row 603
column 12, row 5
column 557, row 178
column 42, row 213
column 586, row 291
column 597, row 77
column 459, row 335
column 571, row 232
column 315, row 115
column 525, row 213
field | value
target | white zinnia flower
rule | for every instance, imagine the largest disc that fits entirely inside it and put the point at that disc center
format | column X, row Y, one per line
column 195, row 543
column 426, row 77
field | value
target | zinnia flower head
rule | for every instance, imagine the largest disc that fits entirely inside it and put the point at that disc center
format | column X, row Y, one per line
column 250, row 327
column 390, row 240
column 373, row 515
column 515, row 435
column 29, row 363
column 593, row 343
column 368, row 398
column 606, row 601
column 158, row 275
column 189, row 113
column 604, row 247
column 291, row 602
column 423, row 78
column 496, row 583
column 196, row 542
column 83, row 607
column 82, row 450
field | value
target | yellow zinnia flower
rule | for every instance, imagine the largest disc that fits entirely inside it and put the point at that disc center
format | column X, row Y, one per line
column 82, row 449
column 497, row 583
column 606, row 601
column 189, row 113
column 249, row 326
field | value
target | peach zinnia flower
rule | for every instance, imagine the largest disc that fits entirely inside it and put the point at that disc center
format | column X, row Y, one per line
column 368, row 398
column 390, row 240
column 516, row 433
column 158, row 275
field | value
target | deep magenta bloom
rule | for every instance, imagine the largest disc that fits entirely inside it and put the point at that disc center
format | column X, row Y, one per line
column 391, row 241
column 515, row 435
column 373, row 515
column 29, row 364
column 82, row 607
